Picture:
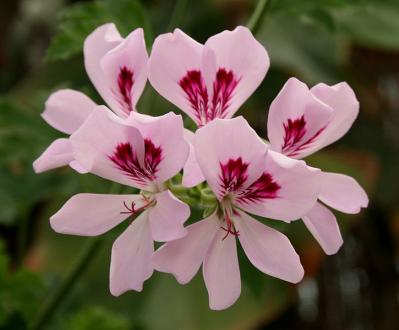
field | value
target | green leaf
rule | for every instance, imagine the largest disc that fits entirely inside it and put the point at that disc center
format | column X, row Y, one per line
column 78, row 21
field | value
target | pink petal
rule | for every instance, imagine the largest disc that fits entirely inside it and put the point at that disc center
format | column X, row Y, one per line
column 183, row 257
column 296, row 187
column 97, row 147
column 225, row 141
column 172, row 56
column 239, row 52
column 59, row 153
column 167, row 217
column 342, row 193
column 297, row 120
column 97, row 44
column 131, row 257
column 166, row 132
column 323, row 225
column 268, row 250
column 125, row 70
column 221, row 272
column 92, row 214
column 66, row 110
column 192, row 174
column 342, row 99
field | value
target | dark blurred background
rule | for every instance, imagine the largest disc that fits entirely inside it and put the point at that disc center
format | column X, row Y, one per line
column 317, row 41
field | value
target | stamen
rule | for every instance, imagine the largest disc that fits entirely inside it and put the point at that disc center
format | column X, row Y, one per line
column 230, row 227
column 132, row 209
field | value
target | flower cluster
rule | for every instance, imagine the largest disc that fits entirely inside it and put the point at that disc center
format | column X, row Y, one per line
column 247, row 176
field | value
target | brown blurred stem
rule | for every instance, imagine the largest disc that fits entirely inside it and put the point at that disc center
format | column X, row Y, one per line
column 258, row 15
column 51, row 304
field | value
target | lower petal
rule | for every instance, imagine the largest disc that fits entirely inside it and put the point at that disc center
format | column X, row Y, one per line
column 183, row 257
column 268, row 250
column 92, row 214
column 131, row 257
column 323, row 225
column 167, row 217
column 221, row 272
column 58, row 154
column 342, row 193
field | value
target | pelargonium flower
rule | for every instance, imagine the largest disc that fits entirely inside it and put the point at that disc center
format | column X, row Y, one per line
column 141, row 152
column 302, row 121
column 206, row 81
column 117, row 68
column 245, row 177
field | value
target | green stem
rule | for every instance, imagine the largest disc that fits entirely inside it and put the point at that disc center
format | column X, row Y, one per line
column 46, row 312
column 177, row 15
column 258, row 15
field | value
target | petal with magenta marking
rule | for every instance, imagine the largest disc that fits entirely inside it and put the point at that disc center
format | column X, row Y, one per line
column 241, row 65
column 230, row 154
column 286, row 190
column 175, row 61
column 125, row 70
column 297, row 120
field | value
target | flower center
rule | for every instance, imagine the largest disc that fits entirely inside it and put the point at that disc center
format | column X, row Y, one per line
column 206, row 109
column 294, row 138
column 126, row 159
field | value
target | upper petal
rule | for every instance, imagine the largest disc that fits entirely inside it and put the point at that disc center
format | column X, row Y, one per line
column 97, row 44
column 268, row 250
column 58, row 153
column 125, row 71
column 192, row 174
column 230, row 154
column 221, row 272
column 173, row 56
column 342, row 193
column 67, row 109
column 296, row 120
column 93, row 214
column 241, row 65
column 167, row 217
column 286, row 190
column 323, row 225
column 131, row 257
column 183, row 257
column 111, row 149
column 166, row 134
column 342, row 99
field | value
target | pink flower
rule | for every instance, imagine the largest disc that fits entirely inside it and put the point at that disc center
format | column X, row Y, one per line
column 117, row 68
column 245, row 177
column 302, row 121
column 207, row 81
column 141, row 152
